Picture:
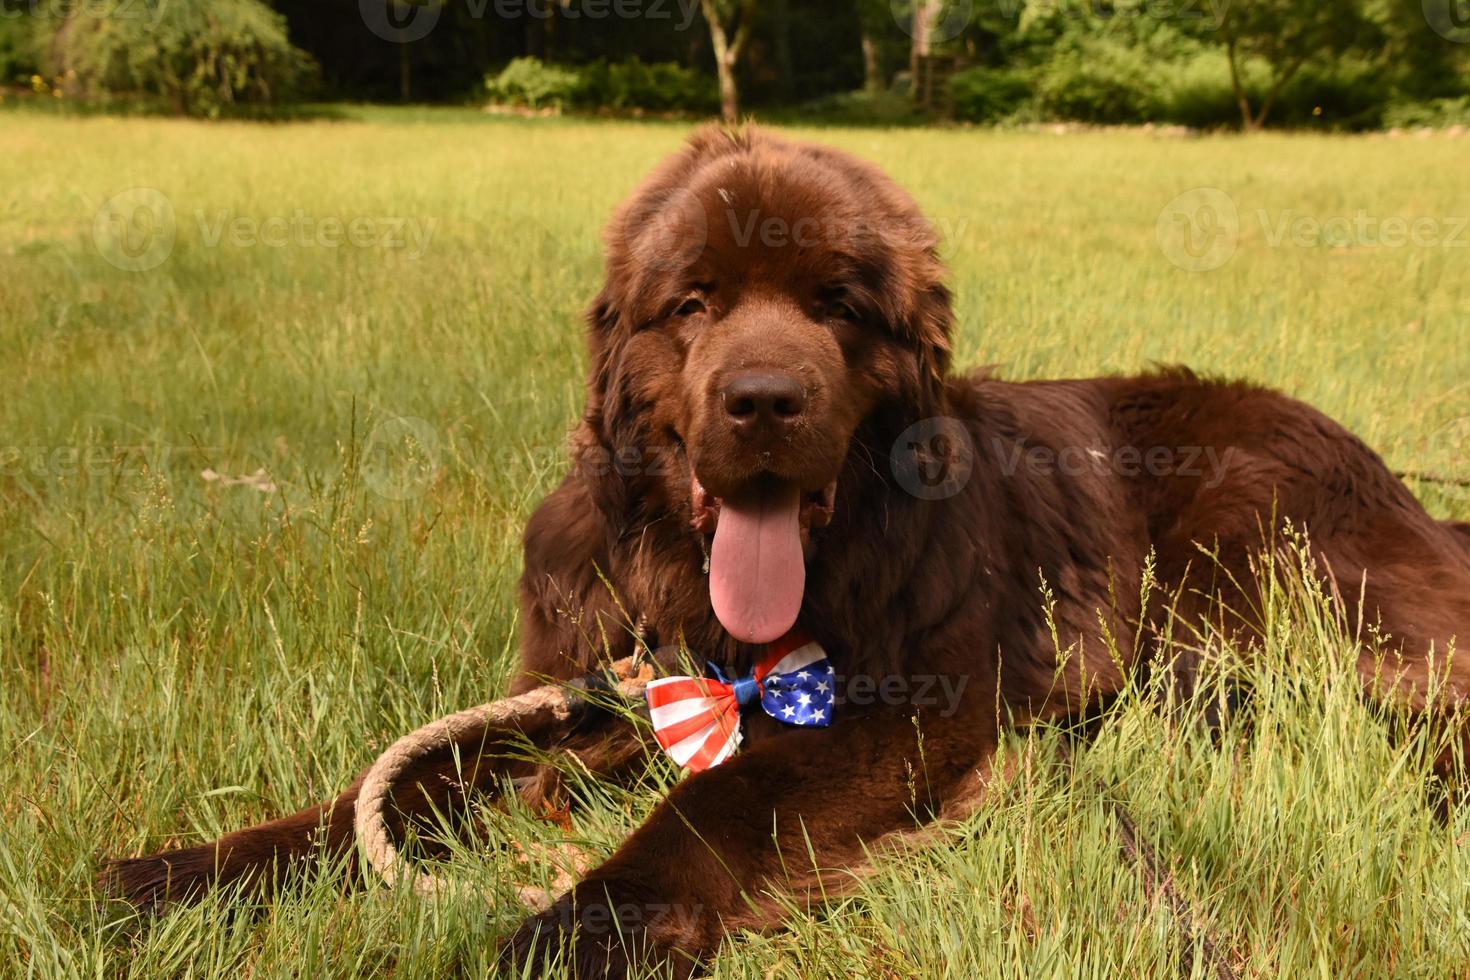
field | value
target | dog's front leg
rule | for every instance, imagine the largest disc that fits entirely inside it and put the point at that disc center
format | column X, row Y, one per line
column 776, row 821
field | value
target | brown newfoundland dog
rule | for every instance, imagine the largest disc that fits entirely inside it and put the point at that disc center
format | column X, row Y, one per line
column 772, row 436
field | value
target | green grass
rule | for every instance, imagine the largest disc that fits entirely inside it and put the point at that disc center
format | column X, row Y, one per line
column 180, row 657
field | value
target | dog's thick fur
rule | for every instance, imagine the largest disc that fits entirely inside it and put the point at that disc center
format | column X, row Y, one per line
column 750, row 252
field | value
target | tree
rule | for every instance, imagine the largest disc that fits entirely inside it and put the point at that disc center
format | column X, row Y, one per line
column 200, row 57
column 872, row 14
column 1283, row 35
column 729, row 29
column 923, row 25
column 926, row 14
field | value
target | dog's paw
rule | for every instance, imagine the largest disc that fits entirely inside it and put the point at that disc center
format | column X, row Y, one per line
column 596, row 931
column 576, row 937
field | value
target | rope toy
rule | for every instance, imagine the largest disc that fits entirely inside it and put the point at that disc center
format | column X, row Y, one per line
column 532, row 712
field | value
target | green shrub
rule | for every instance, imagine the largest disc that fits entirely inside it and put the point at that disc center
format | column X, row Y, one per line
column 1197, row 91
column 988, row 95
column 1139, row 70
column 18, row 48
column 201, row 57
column 628, row 84
column 664, row 85
column 1099, row 82
column 531, row 83
column 659, row 87
column 1438, row 113
column 886, row 108
column 1346, row 94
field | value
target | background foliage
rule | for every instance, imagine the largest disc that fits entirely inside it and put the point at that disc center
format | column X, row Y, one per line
column 1349, row 64
column 628, row 84
column 200, row 57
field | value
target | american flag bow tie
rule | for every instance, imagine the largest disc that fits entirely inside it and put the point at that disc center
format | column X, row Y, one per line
column 697, row 719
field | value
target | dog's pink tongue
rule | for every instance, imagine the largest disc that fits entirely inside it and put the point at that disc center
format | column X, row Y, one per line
column 756, row 570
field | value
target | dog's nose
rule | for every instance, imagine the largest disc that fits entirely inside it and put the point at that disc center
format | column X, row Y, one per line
column 763, row 404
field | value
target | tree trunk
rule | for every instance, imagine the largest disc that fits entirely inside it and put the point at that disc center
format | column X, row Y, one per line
column 872, row 68
column 1255, row 121
column 729, row 93
column 727, row 53
column 1247, row 118
column 724, row 65
column 924, row 11
column 1276, row 88
column 405, row 73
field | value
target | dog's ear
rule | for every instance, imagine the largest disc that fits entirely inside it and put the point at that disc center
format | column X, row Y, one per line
column 608, row 422
column 931, row 327
column 902, row 273
column 919, row 311
column 607, row 401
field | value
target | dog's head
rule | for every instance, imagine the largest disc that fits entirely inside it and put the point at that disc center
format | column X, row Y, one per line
column 763, row 299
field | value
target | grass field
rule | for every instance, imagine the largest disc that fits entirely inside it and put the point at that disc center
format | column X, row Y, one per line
column 181, row 655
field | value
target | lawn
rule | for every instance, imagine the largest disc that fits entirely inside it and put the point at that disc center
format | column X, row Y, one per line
column 273, row 418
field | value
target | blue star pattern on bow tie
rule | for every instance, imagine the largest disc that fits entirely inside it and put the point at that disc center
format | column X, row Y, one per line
column 802, row 696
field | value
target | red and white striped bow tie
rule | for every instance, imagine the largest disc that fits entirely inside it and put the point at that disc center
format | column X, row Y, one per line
column 697, row 719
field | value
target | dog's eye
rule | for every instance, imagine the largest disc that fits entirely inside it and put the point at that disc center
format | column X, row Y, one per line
column 834, row 303
column 691, row 306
